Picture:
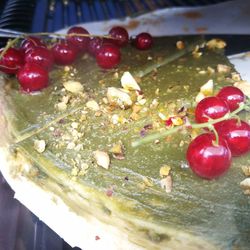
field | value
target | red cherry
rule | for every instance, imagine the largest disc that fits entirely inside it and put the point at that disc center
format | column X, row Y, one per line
column 11, row 61
column 143, row 41
column 210, row 107
column 237, row 135
column 120, row 34
column 32, row 77
column 94, row 45
column 64, row 53
column 80, row 42
column 108, row 56
column 232, row 96
column 207, row 160
column 41, row 56
column 30, row 43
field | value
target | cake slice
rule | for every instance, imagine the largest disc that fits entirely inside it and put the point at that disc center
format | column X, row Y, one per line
column 67, row 153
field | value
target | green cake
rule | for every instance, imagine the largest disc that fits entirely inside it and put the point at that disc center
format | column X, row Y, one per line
column 68, row 150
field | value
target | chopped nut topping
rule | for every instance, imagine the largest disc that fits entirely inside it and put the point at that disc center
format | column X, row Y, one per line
column 216, row 44
column 205, row 90
column 236, row 76
column 61, row 106
column 246, row 170
column 118, row 151
column 208, row 88
column 210, row 70
column 128, row 82
column 39, row 146
column 199, row 97
column 71, row 145
column 119, row 97
column 102, row 159
column 245, row 185
column 164, row 171
column 221, row 68
column 244, row 86
column 93, row 105
column 167, row 184
column 180, row 45
column 162, row 116
column 73, row 86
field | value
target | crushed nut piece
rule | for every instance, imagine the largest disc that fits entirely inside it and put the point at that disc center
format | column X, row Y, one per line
column 128, row 82
column 119, row 97
column 205, row 90
column 39, row 145
column 246, row 170
column 102, row 159
column 210, row 70
column 73, row 86
column 118, row 151
column 245, row 185
column 93, row 105
column 162, row 116
column 71, row 145
column 164, row 171
column 221, row 68
column 167, row 184
column 61, row 106
column 74, row 125
column 180, row 45
column 236, row 76
column 208, row 88
column 244, row 86
column 216, row 44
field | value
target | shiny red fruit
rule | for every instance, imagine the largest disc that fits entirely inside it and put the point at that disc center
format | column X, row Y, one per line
column 120, row 34
column 232, row 96
column 64, row 53
column 41, row 56
column 210, row 107
column 237, row 135
column 32, row 77
column 94, row 45
column 11, row 61
column 30, row 43
column 143, row 41
column 108, row 56
column 80, row 42
column 207, row 160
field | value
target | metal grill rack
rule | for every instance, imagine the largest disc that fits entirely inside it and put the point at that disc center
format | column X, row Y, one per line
column 51, row 15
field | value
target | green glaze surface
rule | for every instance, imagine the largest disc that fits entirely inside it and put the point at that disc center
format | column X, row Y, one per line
column 215, row 211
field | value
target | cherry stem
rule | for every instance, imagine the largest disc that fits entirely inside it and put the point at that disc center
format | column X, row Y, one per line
column 153, row 66
column 216, row 142
column 10, row 44
column 209, row 124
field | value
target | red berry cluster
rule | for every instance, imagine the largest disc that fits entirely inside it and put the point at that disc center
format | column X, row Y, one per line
column 33, row 60
column 207, row 158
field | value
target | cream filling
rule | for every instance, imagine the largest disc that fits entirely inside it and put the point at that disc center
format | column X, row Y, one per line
column 87, row 233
